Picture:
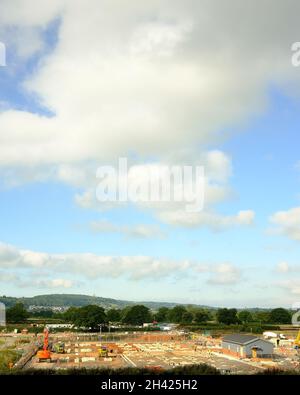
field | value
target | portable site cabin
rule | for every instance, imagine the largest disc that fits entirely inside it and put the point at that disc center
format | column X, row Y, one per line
column 247, row 346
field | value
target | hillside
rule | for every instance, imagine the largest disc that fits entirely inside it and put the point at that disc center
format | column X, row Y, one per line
column 65, row 300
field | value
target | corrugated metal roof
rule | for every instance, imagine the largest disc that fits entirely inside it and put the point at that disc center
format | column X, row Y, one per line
column 239, row 339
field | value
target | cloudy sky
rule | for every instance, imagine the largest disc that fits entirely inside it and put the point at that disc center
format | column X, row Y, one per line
column 162, row 82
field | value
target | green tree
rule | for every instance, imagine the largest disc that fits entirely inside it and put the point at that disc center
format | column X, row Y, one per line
column 187, row 317
column 176, row 314
column 227, row 316
column 245, row 316
column 71, row 314
column 113, row 315
column 43, row 314
column 280, row 316
column 17, row 313
column 262, row 317
column 162, row 314
column 90, row 317
column 201, row 315
column 137, row 315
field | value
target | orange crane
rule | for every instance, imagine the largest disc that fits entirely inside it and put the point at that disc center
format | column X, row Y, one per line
column 44, row 355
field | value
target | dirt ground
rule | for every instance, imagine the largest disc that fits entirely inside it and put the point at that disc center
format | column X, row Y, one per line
column 164, row 351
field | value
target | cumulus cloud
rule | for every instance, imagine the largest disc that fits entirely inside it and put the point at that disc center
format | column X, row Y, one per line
column 28, row 281
column 212, row 220
column 211, row 169
column 139, row 231
column 8, row 277
column 285, row 267
column 287, row 223
column 220, row 274
column 225, row 274
column 13, row 260
column 55, row 283
column 292, row 286
column 22, row 29
column 93, row 266
column 9, row 255
column 139, row 78
column 214, row 189
column 144, row 77
column 90, row 265
column 20, row 12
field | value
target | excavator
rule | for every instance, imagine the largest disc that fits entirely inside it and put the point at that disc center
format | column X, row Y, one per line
column 44, row 355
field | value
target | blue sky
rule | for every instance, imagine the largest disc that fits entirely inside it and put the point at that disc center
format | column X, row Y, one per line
column 80, row 91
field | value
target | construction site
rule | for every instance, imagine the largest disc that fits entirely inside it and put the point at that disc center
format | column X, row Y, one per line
column 159, row 351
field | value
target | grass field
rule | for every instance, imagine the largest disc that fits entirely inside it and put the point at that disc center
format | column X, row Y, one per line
column 7, row 356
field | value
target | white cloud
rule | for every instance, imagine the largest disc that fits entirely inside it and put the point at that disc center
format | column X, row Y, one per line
column 287, row 223
column 28, row 12
column 158, row 38
column 212, row 220
column 151, row 77
column 217, row 170
column 225, row 274
column 8, row 277
column 139, row 78
column 55, row 283
column 136, row 231
column 217, row 165
column 292, row 286
column 284, row 268
column 22, row 29
column 92, row 266
column 34, row 259
column 28, row 282
column 220, row 274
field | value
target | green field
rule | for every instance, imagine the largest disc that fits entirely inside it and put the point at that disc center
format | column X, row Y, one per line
column 7, row 356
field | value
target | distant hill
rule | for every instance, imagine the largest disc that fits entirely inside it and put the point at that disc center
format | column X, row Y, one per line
column 66, row 300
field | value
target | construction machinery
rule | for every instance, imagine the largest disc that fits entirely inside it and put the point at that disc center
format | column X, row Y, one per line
column 103, row 351
column 297, row 341
column 44, row 355
column 59, row 348
column 108, row 351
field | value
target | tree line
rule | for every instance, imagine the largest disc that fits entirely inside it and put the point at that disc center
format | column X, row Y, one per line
column 274, row 316
column 91, row 316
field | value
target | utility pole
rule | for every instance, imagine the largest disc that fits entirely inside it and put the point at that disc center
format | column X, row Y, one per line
column 100, row 331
